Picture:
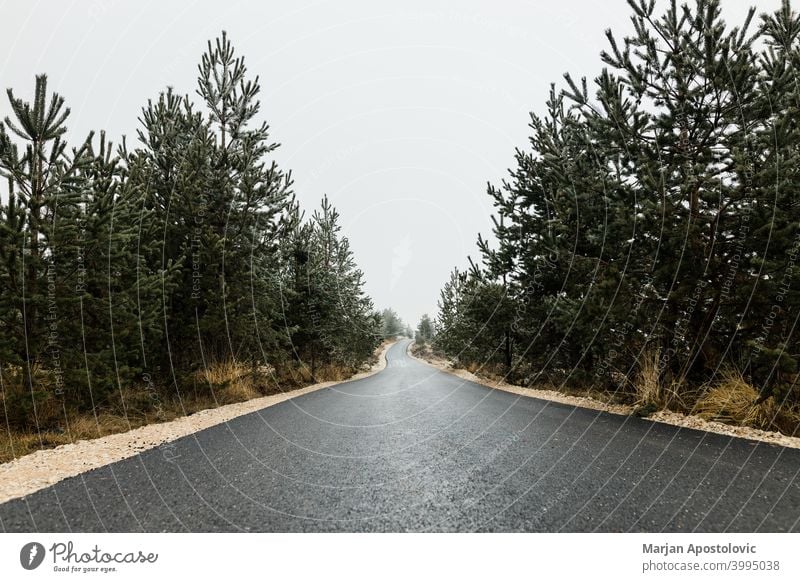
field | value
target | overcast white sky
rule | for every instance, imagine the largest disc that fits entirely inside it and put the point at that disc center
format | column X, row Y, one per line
column 399, row 111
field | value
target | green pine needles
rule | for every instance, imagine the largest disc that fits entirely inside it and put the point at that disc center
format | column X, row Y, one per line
column 146, row 275
column 654, row 216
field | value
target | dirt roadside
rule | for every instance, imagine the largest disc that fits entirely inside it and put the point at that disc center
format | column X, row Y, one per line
column 666, row 417
column 43, row 468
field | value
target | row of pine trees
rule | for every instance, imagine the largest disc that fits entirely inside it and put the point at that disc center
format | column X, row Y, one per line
column 653, row 219
column 140, row 264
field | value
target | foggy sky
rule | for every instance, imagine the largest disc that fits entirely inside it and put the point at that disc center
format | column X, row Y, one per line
column 400, row 111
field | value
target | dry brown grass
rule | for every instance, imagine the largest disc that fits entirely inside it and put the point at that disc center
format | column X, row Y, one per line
column 732, row 400
column 729, row 400
column 229, row 381
column 218, row 384
column 333, row 373
column 475, row 368
column 140, row 409
column 16, row 443
column 299, row 374
column 647, row 385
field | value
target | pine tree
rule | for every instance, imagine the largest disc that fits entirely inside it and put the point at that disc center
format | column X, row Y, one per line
column 222, row 207
column 646, row 217
column 250, row 195
column 425, row 333
column 328, row 318
column 126, row 273
column 43, row 188
column 392, row 324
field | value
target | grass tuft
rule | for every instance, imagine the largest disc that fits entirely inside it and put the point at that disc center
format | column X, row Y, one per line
column 229, row 381
column 647, row 385
column 733, row 400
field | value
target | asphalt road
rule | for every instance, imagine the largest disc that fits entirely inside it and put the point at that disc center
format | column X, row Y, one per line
column 415, row 449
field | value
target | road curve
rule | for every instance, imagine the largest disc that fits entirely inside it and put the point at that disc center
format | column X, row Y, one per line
column 415, row 449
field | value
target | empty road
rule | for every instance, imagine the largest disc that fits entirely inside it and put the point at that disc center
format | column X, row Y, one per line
column 415, row 449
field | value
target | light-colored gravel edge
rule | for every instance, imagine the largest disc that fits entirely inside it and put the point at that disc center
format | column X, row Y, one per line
column 41, row 469
column 665, row 417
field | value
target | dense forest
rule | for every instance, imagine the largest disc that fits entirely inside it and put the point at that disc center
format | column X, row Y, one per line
column 174, row 272
column 646, row 241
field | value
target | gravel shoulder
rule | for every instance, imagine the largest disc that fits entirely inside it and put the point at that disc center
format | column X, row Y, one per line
column 664, row 416
column 44, row 468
